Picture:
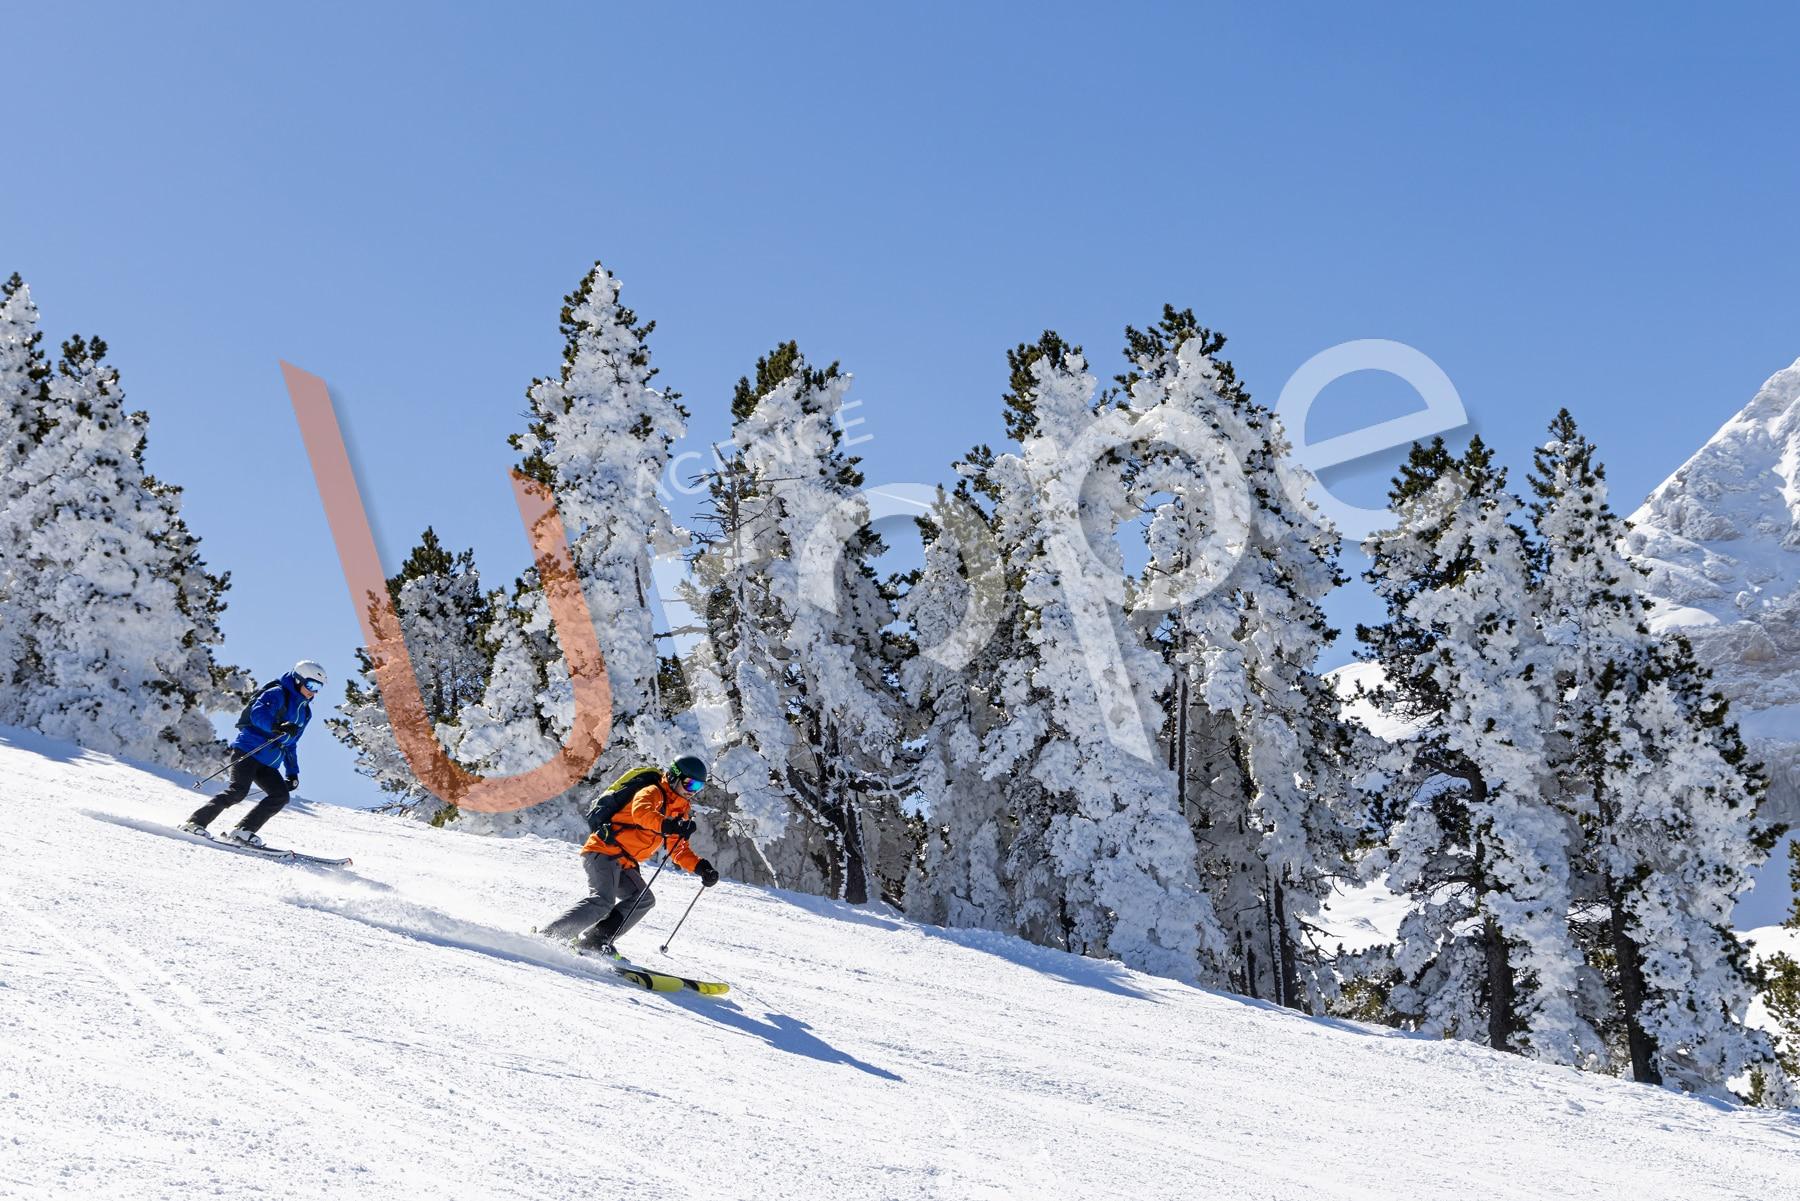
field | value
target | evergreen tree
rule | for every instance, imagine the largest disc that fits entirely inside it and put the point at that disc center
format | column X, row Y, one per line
column 1102, row 861
column 1781, row 994
column 808, row 726
column 1479, row 844
column 445, row 620
column 1593, row 623
column 599, row 435
column 1258, row 748
column 1685, row 843
column 504, row 733
column 1660, row 780
column 116, row 616
column 24, row 401
column 24, row 377
column 965, row 873
column 600, row 438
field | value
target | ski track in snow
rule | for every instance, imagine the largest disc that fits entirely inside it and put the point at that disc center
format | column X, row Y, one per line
column 176, row 1021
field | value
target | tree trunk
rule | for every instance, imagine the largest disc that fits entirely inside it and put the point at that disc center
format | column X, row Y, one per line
column 1500, row 987
column 1631, row 990
column 1181, row 736
column 841, row 804
column 1289, row 974
column 856, row 869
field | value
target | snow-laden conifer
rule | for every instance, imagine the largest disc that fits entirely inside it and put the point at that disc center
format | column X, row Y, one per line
column 804, row 724
column 599, row 436
column 116, row 615
column 504, row 734
column 24, row 397
column 1103, row 860
column 1240, row 562
column 1666, row 795
column 445, row 619
column 960, row 591
column 1482, row 849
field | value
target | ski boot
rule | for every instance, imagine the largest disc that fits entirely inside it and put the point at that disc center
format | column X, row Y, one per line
column 598, row 948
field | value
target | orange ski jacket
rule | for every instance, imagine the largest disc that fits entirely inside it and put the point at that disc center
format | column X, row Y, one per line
column 637, row 828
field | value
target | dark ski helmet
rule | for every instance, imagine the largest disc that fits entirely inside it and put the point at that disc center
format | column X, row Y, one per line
column 689, row 767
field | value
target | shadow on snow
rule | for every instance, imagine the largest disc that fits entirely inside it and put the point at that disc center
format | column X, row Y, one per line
column 421, row 924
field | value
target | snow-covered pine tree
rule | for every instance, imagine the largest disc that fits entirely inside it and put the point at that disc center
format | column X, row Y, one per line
column 118, row 617
column 1781, row 994
column 24, row 398
column 1479, row 845
column 1254, row 736
column 1692, row 839
column 962, row 876
column 807, row 724
column 727, row 674
column 504, row 733
column 1666, row 795
column 445, row 619
column 24, row 376
column 1102, row 861
column 1593, row 623
column 599, row 436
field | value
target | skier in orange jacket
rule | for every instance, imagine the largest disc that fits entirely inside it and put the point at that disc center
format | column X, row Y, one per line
column 656, row 816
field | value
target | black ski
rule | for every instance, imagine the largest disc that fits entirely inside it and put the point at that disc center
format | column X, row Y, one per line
column 278, row 854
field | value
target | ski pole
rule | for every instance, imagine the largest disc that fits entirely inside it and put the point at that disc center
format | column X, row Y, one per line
column 643, row 892
column 235, row 760
column 684, row 916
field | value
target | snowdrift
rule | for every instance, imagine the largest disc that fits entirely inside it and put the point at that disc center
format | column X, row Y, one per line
column 177, row 1020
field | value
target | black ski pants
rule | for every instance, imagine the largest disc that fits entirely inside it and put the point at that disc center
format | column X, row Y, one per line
column 244, row 773
column 613, row 892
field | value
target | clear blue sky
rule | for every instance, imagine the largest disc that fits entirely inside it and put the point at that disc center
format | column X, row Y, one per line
column 1559, row 204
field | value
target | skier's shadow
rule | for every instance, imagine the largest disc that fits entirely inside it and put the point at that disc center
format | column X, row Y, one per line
column 779, row 1031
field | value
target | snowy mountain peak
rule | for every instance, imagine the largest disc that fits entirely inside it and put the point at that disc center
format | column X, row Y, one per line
column 1740, row 485
column 1720, row 539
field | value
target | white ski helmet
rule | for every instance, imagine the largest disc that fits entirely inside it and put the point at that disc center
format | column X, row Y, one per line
column 306, row 669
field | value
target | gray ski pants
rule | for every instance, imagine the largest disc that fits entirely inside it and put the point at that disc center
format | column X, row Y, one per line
column 612, row 893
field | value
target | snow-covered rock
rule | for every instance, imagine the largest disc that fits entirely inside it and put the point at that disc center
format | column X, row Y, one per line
column 1721, row 541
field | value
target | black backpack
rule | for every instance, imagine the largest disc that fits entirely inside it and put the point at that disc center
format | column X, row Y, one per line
column 618, row 794
column 243, row 721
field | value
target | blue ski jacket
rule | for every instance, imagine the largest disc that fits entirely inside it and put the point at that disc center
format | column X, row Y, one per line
column 279, row 702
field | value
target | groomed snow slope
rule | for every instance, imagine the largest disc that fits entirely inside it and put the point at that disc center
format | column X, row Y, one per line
column 178, row 1021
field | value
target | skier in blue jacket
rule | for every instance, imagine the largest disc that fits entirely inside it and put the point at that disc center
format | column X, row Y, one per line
column 268, row 731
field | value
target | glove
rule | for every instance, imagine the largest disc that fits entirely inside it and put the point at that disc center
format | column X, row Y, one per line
column 293, row 783
column 709, row 875
column 286, row 729
column 680, row 827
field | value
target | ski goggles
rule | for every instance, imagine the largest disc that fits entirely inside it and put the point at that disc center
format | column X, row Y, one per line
column 689, row 784
column 312, row 685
